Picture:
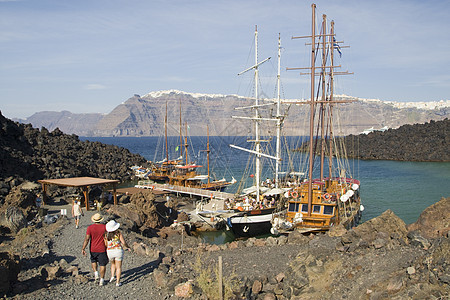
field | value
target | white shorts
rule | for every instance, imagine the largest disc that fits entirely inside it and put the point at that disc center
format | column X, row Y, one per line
column 115, row 254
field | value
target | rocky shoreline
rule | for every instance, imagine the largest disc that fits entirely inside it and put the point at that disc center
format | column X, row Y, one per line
column 30, row 154
column 418, row 142
column 40, row 257
column 381, row 258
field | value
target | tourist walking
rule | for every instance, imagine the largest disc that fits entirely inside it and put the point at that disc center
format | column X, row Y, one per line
column 95, row 235
column 115, row 244
column 77, row 212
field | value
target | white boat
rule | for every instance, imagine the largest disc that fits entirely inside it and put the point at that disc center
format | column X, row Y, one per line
column 253, row 218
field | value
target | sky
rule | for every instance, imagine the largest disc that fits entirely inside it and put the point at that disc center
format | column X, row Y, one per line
column 88, row 56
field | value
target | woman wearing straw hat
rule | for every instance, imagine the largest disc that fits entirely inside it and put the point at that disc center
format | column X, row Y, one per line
column 115, row 243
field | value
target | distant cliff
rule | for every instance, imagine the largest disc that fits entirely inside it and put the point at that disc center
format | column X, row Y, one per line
column 145, row 116
column 67, row 122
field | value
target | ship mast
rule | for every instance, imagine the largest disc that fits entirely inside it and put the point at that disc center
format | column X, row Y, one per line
column 330, row 158
column 186, row 144
column 181, row 135
column 322, row 104
column 278, row 117
column 165, row 135
column 257, row 119
column 207, row 150
column 257, row 142
column 312, row 107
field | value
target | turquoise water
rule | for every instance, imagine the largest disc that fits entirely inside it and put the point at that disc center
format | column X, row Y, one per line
column 406, row 188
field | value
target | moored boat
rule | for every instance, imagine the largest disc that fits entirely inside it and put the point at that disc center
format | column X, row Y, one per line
column 251, row 223
column 181, row 171
column 257, row 204
column 317, row 204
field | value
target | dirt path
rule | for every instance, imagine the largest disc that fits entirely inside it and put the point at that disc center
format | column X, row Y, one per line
column 136, row 275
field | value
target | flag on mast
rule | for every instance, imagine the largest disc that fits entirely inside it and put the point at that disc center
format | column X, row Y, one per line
column 337, row 47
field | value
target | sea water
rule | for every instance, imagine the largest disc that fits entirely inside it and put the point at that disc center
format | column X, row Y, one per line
column 406, row 188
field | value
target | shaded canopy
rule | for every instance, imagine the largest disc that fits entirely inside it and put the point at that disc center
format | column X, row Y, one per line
column 83, row 182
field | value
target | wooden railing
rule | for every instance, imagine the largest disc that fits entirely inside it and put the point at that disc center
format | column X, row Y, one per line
column 146, row 184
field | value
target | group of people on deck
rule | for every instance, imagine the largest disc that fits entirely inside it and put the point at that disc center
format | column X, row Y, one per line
column 250, row 203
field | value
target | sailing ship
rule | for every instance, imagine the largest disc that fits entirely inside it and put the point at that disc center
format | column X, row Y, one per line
column 256, row 206
column 182, row 172
column 318, row 204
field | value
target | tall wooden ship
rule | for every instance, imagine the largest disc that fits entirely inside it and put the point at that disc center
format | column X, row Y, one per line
column 317, row 204
column 181, row 172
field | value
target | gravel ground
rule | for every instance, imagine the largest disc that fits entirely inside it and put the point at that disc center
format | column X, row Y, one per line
column 137, row 277
column 136, row 270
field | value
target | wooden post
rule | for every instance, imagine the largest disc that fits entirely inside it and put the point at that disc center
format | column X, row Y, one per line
column 86, row 197
column 114, row 193
column 44, row 194
column 220, row 279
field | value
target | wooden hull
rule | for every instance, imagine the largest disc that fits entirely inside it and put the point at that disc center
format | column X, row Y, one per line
column 215, row 187
column 158, row 179
column 328, row 208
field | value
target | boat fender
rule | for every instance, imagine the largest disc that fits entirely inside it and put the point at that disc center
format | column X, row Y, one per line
column 275, row 222
column 361, row 207
column 344, row 198
column 240, row 208
column 294, row 194
column 245, row 229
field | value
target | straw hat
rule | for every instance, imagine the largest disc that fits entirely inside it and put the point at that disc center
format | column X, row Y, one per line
column 112, row 226
column 97, row 218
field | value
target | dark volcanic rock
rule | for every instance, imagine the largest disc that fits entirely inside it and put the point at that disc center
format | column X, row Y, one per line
column 27, row 153
column 144, row 213
column 13, row 218
column 418, row 142
column 9, row 268
column 434, row 221
column 384, row 230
